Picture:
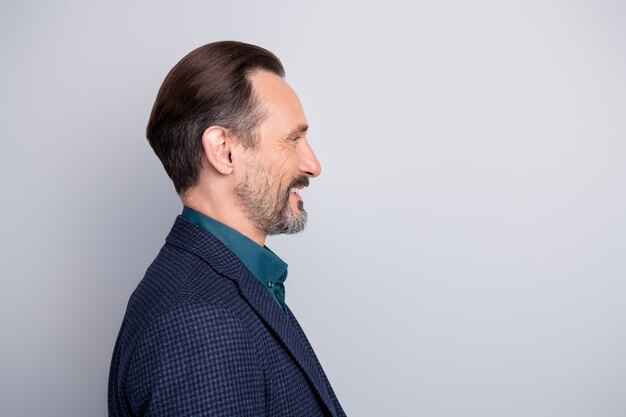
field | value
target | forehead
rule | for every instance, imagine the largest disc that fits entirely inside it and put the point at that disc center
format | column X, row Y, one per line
column 282, row 108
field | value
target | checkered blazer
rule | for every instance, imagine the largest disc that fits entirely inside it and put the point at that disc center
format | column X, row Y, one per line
column 203, row 337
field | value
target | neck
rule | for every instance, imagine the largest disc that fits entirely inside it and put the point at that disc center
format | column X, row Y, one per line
column 225, row 211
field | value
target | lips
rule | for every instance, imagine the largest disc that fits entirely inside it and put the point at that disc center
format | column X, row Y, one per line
column 297, row 185
column 295, row 191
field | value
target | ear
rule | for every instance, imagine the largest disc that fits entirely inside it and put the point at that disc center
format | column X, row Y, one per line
column 216, row 145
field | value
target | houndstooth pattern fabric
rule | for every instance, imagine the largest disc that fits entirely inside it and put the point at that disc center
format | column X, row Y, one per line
column 202, row 337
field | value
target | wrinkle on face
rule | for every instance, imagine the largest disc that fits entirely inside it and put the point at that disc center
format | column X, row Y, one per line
column 265, row 189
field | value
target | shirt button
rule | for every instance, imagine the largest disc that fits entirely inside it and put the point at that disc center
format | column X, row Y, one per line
column 270, row 284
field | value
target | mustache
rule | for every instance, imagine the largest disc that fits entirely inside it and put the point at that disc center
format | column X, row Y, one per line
column 301, row 181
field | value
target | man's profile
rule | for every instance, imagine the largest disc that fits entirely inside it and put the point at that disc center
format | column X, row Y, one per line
column 207, row 331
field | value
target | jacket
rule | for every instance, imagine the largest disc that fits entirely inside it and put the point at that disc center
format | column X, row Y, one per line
column 202, row 337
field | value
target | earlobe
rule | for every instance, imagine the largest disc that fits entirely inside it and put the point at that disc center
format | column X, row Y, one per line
column 216, row 148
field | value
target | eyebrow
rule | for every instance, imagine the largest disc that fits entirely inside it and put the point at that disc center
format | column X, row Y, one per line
column 298, row 131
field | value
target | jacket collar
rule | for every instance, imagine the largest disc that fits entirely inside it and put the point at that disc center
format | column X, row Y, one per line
column 193, row 238
column 264, row 264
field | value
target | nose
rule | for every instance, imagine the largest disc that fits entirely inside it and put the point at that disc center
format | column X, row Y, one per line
column 309, row 165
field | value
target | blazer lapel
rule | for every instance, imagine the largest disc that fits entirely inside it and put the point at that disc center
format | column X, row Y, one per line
column 269, row 311
column 197, row 240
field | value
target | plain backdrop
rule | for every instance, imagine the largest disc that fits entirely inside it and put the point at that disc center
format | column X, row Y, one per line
column 466, row 249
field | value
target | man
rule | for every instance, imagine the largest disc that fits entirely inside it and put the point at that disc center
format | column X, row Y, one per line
column 207, row 331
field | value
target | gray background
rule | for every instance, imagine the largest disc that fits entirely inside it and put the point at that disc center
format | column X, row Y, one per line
column 465, row 254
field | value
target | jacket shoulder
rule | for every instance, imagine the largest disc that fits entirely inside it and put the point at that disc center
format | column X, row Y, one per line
column 196, row 356
column 186, row 328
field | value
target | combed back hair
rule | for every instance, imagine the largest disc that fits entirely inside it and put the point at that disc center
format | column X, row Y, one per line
column 208, row 87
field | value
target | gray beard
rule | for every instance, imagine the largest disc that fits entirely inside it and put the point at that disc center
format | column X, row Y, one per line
column 270, row 213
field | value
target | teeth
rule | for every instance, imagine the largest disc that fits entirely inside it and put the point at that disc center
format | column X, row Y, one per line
column 295, row 190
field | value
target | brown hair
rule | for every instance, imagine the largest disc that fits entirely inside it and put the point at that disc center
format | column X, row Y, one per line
column 208, row 87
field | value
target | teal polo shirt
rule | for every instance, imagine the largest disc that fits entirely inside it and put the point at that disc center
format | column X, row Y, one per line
column 264, row 264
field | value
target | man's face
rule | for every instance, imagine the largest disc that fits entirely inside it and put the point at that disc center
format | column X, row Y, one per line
column 282, row 163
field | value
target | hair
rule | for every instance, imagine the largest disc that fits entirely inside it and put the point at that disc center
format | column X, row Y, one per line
column 208, row 87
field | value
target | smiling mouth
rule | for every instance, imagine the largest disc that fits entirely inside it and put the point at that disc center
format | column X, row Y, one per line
column 295, row 191
column 297, row 185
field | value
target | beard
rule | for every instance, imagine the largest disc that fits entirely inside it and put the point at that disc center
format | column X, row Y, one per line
column 265, row 201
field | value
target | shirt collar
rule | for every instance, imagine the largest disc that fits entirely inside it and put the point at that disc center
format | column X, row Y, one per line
column 264, row 264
